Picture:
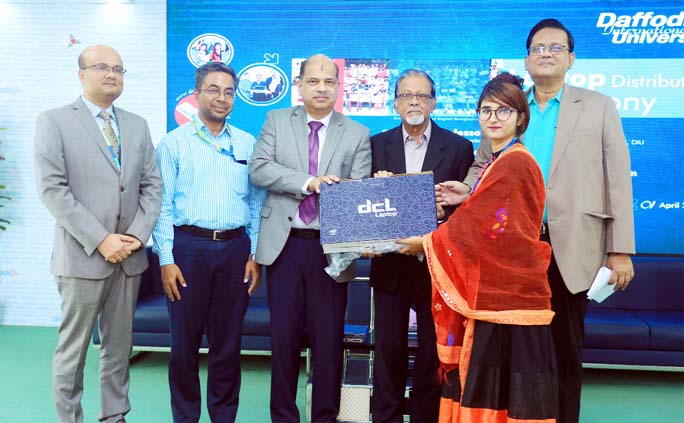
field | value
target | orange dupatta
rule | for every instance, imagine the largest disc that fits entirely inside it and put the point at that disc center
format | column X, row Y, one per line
column 487, row 262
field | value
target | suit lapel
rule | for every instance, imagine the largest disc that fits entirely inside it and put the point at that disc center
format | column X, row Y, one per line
column 298, row 119
column 568, row 115
column 333, row 136
column 395, row 152
column 435, row 150
column 83, row 115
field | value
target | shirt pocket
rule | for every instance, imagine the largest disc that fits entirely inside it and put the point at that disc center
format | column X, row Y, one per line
column 238, row 178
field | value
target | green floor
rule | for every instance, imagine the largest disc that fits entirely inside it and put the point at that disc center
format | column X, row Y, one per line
column 609, row 396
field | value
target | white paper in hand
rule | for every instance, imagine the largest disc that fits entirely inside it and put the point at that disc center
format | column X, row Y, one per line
column 600, row 290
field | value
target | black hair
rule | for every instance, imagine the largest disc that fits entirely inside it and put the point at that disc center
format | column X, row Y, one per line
column 208, row 68
column 551, row 23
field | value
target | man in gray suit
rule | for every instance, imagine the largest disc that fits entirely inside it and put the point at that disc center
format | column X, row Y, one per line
column 577, row 138
column 97, row 175
column 299, row 149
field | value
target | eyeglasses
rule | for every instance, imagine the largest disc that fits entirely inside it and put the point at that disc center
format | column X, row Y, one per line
column 502, row 113
column 215, row 92
column 105, row 68
column 405, row 97
column 539, row 49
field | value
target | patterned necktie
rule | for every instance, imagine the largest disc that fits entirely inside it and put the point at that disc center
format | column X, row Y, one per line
column 109, row 133
column 307, row 208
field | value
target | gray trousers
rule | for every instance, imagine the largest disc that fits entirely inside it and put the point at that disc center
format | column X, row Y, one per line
column 84, row 300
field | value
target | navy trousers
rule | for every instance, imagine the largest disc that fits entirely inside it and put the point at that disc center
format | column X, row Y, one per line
column 215, row 301
column 303, row 299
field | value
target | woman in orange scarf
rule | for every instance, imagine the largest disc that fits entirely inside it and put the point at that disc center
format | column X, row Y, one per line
column 491, row 297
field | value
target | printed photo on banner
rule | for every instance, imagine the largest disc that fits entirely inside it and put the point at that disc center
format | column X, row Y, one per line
column 366, row 87
column 210, row 48
column 457, row 84
column 186, row 107
column 262, row 84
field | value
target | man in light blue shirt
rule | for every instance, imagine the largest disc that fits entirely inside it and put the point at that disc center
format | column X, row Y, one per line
column 206, row 238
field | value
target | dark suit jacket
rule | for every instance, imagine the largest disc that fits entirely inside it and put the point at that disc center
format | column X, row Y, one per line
column 448, row 156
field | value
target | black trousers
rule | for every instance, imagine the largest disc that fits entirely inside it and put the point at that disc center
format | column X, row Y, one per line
column 391, row 355
column 567, row 328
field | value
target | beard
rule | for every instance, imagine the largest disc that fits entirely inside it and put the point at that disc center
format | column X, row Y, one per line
column 415, row 119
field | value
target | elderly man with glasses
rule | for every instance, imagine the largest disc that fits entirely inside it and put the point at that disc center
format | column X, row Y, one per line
column 399, row 281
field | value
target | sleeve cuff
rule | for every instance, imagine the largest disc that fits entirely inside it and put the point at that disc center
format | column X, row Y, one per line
column 305, row 187
column 165, row 257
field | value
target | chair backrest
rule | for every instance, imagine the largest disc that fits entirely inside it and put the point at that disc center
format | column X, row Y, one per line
column 358, row 299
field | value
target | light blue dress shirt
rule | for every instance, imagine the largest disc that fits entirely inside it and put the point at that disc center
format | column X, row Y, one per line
column 540, row 136
column 203, row 187
column 95, row 111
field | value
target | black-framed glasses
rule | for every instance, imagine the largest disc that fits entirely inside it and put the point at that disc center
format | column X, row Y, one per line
column 539, row 49
column 502, row 113
column 105, row 68
column 215, row 92
column 423, row 98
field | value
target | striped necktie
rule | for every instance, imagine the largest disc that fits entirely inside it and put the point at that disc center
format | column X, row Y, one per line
column 109, row 133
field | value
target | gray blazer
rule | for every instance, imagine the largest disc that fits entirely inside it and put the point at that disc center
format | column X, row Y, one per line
column 589, row 189
column 280, row 163
column 80, row 186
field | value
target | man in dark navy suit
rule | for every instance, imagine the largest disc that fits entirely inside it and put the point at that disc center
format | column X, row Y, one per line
column 401, row 281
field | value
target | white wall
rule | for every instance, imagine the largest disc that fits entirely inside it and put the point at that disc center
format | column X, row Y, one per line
column 38, row 71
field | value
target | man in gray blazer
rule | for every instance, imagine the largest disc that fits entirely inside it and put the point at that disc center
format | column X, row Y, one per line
column 299, row 149
column 97, row 175
column 577, row 138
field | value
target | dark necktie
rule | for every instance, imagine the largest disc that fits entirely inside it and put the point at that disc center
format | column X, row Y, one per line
column 307, row 208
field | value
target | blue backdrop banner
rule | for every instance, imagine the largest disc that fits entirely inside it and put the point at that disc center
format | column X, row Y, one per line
column 630, row 51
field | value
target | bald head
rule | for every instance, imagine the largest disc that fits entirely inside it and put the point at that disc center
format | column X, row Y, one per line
column 93, row 52
column 318, row 85
column 320, row 60
column 100, row 73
